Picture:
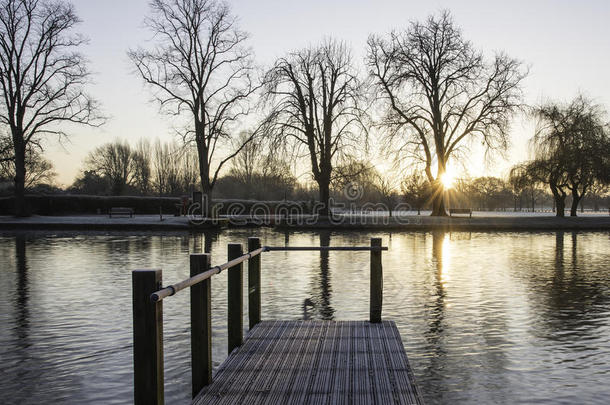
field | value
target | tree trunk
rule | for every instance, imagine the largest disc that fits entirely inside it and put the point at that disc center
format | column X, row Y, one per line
column 20, row 203
column 559, row 198
column 438, row 191
column 324, row 187
column 206, row 199
column 560, row 203
column 575, row 200
column 438, row 206
column 533, row 202
column 438, row 200
column 204, row 171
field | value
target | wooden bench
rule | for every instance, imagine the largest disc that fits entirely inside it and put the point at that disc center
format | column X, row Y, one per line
column 460, row 211
column 120, row 211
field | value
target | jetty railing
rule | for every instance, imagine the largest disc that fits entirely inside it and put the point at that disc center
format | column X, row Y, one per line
column 148, row 296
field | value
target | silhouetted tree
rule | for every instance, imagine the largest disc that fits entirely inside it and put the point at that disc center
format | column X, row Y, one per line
column 316, row 98
column 574, row 138
column 385, row 187
column 258, row 172
column 416, row 190
column 38, row 169
column 547, row 171
column 524, row 183
column 250, row 159
column 90, row 182
column 489, row 191
column 440, row 92
column 42, row 77
column 114, row 161
column 141, row 160
column 166, row 168
column 199, row 68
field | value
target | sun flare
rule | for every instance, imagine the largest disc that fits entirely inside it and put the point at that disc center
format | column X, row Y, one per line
column 447, row 179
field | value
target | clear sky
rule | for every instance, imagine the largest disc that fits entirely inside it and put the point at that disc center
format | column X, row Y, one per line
column 566, row 43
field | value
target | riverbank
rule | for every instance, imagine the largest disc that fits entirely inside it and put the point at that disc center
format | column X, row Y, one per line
column 104, row 223
column 476, row 223
column 479, row 222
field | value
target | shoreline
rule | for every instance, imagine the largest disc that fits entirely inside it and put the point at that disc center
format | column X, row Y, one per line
column 405, row 223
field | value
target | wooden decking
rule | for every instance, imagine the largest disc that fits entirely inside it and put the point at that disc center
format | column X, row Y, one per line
column 316, row 362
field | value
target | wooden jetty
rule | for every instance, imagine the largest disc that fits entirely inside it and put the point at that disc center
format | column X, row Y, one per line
column 291, row 362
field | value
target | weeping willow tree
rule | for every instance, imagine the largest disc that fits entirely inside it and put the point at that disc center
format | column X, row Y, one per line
column 571, row 145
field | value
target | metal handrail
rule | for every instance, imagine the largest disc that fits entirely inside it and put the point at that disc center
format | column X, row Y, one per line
column 174, row 288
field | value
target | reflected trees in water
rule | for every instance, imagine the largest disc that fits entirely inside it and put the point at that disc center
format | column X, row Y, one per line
column 321, row 288
column 573, row 296
column 22, row 318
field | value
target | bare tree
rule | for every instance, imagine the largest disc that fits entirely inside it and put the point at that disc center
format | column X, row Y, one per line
column 199, row 68
column 6, row 148
column 115, row 161
column 190, row 169
column 572, row 140
column 141, row 160
column 249, row 160
column 38, row 169
column 416, row 189
column 440, row 92
column 523, row 182
column 42, row 77
column 166, row 168
column 543, row 171
column 386, row 188
column 317, row 106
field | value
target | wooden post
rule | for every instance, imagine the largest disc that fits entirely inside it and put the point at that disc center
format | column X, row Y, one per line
column 201, row 325
column 235, row 305
column 254, row 283
column 147, row 338
column 376, row 282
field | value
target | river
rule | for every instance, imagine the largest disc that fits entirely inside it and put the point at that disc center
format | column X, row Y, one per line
column 484, row 317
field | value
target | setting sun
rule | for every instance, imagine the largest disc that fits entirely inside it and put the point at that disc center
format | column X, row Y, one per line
column 447, row 179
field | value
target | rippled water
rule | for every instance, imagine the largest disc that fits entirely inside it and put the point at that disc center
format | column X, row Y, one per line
column 485, row 317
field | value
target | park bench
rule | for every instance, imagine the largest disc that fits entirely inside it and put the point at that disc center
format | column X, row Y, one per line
column 120, row 211
column 460, row 211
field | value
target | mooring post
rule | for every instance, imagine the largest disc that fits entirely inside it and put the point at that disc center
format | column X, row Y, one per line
column 201, row 325
column 254, row 283
column 235, row 305
column 376, row 299
column 147, row 338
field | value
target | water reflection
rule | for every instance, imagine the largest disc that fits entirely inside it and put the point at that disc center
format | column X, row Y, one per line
column 440, row 252
column 485, row 318
column 202, row 242
column 573, row 296
column 321, row 290
column 22, row 318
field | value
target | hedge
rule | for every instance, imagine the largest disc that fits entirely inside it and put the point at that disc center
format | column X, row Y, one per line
column 78, row 204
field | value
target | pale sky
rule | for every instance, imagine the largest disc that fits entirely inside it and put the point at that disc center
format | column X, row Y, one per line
column 566, row 43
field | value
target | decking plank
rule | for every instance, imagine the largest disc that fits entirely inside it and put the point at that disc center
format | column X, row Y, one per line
column 316, row 362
